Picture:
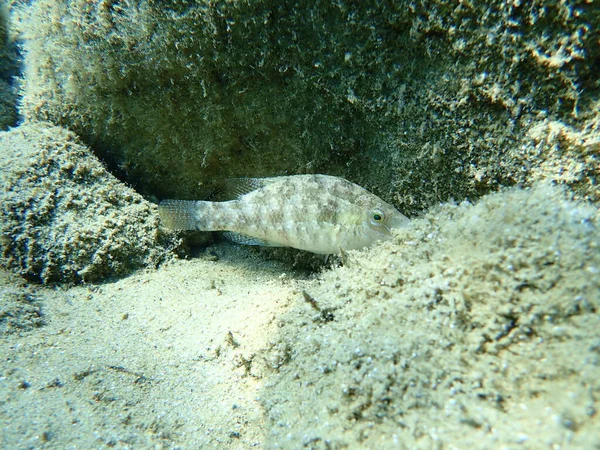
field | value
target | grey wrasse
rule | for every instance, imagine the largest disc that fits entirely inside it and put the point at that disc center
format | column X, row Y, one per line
column 318, row 213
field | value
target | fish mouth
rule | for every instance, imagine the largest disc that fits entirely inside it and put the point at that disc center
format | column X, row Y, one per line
column 398, row 220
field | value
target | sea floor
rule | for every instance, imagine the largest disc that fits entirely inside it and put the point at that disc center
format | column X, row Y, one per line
column 477, row 326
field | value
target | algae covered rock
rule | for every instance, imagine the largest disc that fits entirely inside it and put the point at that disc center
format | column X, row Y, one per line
column 8, row 97
column 418, row 102
column 64, row 218
column 174, row 95
column 478, row 328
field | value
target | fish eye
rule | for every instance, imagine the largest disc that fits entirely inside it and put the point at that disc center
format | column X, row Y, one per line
column 377, row 217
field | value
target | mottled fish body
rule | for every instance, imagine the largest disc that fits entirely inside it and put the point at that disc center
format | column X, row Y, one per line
column 318, row 213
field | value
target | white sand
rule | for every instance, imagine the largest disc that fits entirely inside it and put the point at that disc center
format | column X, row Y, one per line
column 161, row 358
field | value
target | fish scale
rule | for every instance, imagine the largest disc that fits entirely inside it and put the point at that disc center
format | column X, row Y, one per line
column 318, row 213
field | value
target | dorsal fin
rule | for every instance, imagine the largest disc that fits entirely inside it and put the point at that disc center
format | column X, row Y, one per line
column 234, row 188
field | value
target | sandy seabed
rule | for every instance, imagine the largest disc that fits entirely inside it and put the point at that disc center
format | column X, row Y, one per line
column 161, row 358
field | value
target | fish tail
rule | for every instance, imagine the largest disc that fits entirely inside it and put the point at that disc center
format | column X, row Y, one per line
column 181, row 214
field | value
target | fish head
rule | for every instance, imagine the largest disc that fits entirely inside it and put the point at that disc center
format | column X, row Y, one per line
column 381, row 218
column 376, row 221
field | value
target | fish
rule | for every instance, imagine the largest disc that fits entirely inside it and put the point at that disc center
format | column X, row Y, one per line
column 321, row 214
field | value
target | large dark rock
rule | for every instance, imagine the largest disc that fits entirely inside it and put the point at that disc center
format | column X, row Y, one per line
column 416, row 101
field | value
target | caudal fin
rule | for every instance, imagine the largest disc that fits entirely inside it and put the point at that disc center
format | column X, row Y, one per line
column 179, row 214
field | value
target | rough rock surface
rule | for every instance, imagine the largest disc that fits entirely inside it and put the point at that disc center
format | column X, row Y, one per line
column 478, row 327
column 418, row 102
column 64, row 218
column 8, row 70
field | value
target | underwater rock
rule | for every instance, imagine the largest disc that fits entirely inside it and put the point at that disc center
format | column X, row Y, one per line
column 477, row 318
column 8, row 95
column 418, row 103
column 64, row 218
